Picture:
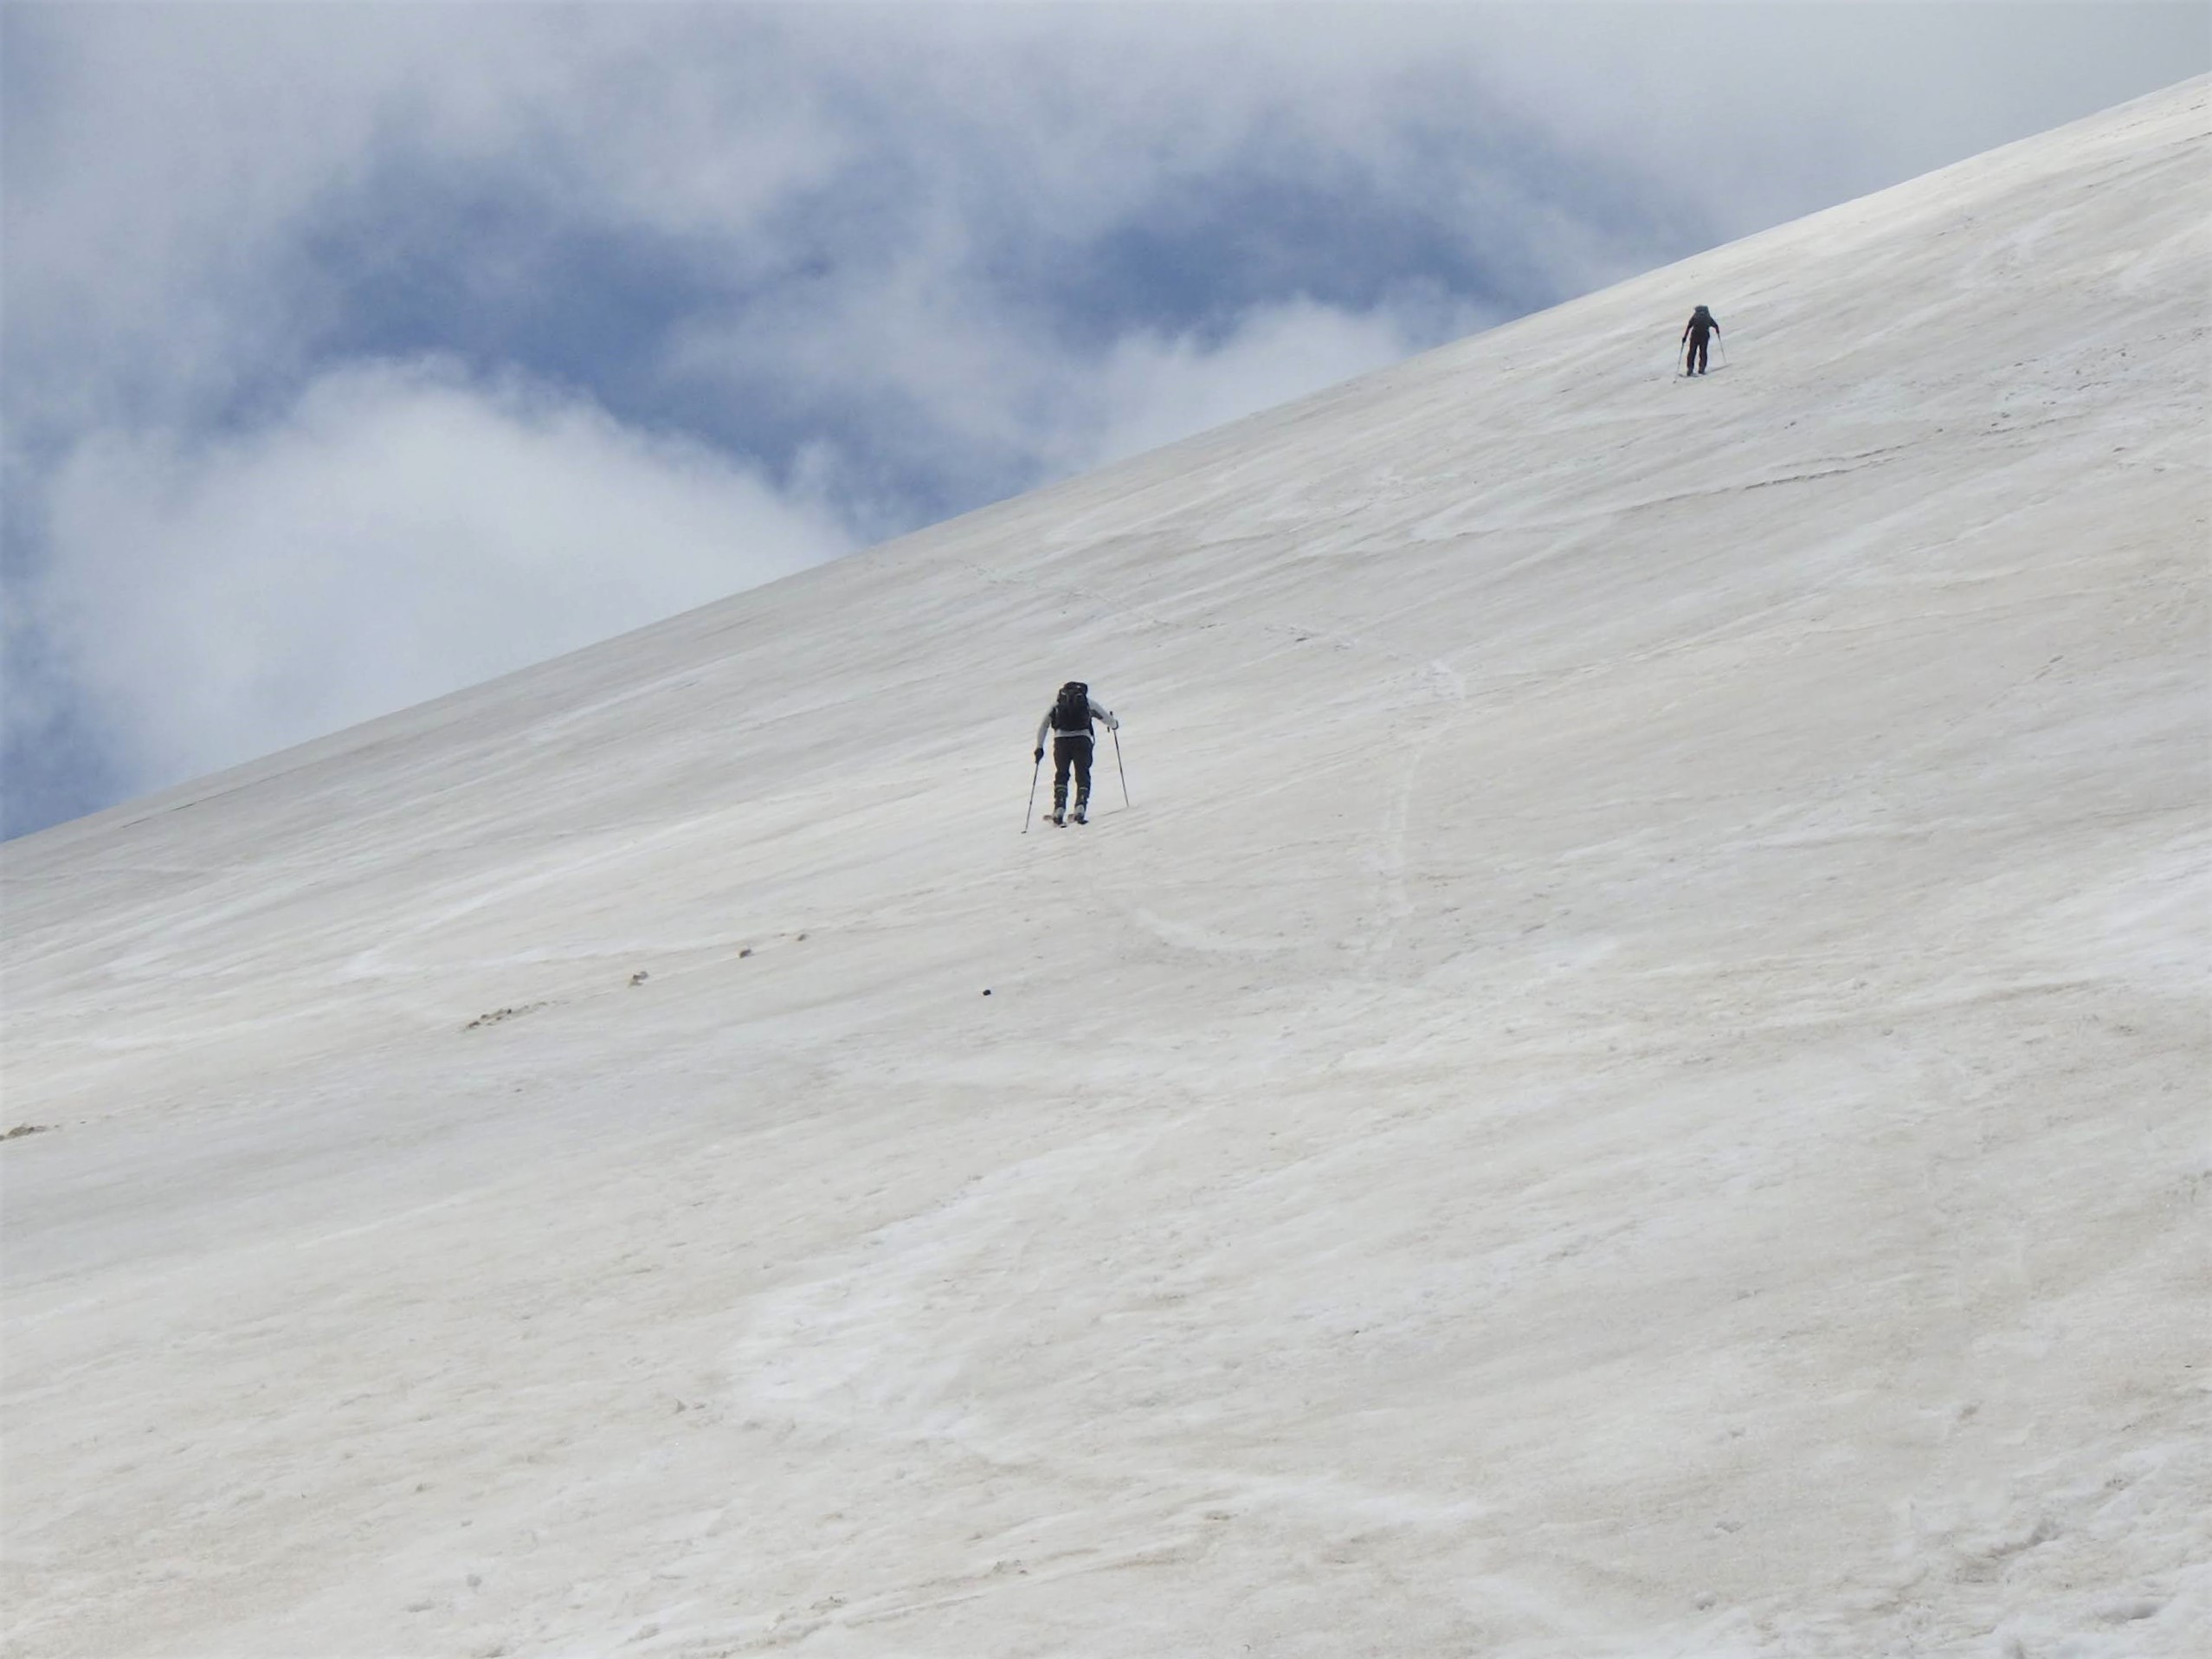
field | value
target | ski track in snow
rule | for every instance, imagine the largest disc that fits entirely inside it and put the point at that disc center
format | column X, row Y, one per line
column 1632, row 1083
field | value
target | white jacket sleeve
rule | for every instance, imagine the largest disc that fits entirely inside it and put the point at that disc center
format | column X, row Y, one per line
column 1103, row 713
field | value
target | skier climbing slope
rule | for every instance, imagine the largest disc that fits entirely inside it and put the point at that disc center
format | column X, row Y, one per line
column 1070, row 722
column 1695, row 335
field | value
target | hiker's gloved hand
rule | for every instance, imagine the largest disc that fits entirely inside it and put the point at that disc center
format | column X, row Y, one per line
column 1040, row 755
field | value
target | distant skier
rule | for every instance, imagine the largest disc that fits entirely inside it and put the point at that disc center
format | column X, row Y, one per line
column 1700, row 324
column 1069, row 719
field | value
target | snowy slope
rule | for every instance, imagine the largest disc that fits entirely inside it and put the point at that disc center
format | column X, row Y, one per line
column 1634, row 1081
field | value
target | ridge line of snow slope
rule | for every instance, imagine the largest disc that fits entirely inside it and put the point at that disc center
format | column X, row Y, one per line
column 1634, row 1082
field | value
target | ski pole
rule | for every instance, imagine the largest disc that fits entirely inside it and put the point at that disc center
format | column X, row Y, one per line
column 1119, row 767
column 1033, row 772
column 1723, row 345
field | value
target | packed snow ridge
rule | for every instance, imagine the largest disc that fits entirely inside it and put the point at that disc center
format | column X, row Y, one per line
column 1632, row 1081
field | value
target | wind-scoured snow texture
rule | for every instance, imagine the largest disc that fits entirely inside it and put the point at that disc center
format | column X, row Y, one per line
column 1634, row 1083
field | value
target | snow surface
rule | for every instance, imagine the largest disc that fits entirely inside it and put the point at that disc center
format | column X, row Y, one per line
column 1633, row 1082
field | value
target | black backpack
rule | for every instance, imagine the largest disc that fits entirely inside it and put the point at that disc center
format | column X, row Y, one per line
column 1071, row 711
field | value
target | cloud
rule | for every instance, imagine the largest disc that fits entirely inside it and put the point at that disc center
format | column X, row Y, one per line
column 1153, row 389
column 398, row 533
column 179, row 179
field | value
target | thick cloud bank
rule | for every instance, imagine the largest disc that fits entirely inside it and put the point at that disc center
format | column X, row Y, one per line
column 398, row 534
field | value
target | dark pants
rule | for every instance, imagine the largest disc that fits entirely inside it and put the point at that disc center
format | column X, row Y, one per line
column 1070, row 750
column 1694, row 363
